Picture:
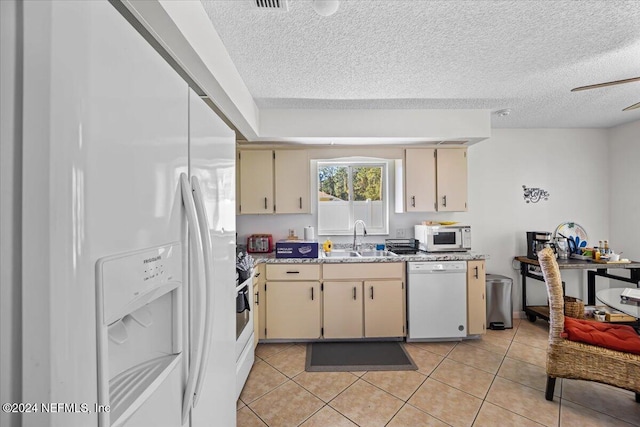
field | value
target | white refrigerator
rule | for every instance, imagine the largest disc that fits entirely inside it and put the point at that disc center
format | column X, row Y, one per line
column 128, row 272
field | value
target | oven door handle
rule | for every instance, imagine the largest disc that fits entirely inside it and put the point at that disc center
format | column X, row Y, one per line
column 207, row 253
column 197, row 295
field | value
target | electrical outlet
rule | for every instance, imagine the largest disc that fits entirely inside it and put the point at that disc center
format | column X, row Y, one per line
column 400, row 232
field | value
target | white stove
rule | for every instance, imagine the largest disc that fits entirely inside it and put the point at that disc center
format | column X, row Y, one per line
column 244, row 333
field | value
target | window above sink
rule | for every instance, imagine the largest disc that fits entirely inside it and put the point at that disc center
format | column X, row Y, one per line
column 352, row 189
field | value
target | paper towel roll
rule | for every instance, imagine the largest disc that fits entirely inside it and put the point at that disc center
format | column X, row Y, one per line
column 309, row 233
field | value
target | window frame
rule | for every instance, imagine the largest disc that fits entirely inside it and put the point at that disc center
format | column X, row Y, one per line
column 351, row 163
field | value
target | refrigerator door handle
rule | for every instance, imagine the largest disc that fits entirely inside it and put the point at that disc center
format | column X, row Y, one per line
column 203, row 223
column 197, row 296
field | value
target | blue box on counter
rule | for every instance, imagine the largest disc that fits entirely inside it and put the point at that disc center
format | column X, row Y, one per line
column 296, row 249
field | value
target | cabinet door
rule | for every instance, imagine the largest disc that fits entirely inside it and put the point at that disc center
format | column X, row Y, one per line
column 420, row 180
column 293, row 310
column 452, row 180
column 292, row 181
column 383, row 314
column 476, row 304
column 256, row 312
column 342, row 311
column 261, row 313
column 256, row 181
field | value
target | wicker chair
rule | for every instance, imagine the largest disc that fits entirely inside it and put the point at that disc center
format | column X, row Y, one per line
column 569, row 359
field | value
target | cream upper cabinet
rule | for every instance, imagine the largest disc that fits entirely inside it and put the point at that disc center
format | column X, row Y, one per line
column 420, row 180
column 291, row 181
column 342, row 309
column 476, row 299
column 256, row 182
column 273, row 181
column 435, row 180
column 383, row 309
column 452, row 180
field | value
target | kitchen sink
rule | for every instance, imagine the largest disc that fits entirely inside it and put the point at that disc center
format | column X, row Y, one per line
column 338, row 253
column 376, row 253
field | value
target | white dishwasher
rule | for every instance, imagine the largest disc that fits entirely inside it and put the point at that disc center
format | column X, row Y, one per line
column 437, row 300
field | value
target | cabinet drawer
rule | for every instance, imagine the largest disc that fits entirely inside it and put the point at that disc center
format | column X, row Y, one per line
column 293, row 272
column 362, row 271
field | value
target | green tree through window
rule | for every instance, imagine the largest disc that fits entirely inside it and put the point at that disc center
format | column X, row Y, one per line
column 348, row 191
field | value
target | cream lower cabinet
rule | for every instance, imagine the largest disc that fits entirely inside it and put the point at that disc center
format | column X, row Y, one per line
column 476, row 299
column 342, row 311
column 256, row 307
column 293, row 301
column 356, row 306
column 383, row 309
column 259, row 301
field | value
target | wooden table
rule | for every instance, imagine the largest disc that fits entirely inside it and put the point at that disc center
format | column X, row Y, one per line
column 595, row 270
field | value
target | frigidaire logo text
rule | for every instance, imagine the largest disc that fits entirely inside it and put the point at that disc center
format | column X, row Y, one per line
column 155, row 258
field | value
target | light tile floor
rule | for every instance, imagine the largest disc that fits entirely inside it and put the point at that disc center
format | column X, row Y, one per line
column 496, row 381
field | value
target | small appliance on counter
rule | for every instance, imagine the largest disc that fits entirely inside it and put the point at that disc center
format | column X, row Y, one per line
column 443, row 238
column 402, row 246
column 536, row 241
column 260, row 243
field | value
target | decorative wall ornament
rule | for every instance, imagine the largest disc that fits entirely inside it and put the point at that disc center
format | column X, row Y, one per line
column 534, row 195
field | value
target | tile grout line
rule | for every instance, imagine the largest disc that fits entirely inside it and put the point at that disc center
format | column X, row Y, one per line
column 515, row 382
column 504, row 356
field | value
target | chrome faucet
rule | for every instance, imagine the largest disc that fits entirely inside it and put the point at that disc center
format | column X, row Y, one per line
column 356, row 247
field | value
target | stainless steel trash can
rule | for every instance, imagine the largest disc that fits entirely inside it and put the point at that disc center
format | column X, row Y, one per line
column 499, row 302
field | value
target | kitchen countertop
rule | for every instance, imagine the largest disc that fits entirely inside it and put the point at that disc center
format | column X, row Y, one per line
column 270, row 258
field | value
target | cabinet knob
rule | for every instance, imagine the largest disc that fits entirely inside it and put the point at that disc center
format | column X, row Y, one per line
column 265, row 203
column 300, row 202
column 311, row 294
column 354, row 293
column 413, row 201
column 444, row 201
column 477, row 276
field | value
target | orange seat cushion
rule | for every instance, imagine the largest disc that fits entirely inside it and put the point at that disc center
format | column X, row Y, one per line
column 615, row 337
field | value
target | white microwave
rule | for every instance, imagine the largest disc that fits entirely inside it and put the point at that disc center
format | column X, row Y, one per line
column 440, row 238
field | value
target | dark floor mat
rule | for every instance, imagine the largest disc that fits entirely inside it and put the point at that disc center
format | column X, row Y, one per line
column 358, row 356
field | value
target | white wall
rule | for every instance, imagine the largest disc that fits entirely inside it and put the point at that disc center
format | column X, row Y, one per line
column 624, row 173
column 571, row 164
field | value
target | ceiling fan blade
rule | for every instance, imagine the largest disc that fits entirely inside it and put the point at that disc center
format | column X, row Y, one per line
column 616, row 82
column 632, row 107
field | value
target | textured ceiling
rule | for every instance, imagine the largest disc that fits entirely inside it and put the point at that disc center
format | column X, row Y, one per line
column 521, row 55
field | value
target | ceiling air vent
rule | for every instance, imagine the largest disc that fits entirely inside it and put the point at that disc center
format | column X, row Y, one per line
column 278, row 5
